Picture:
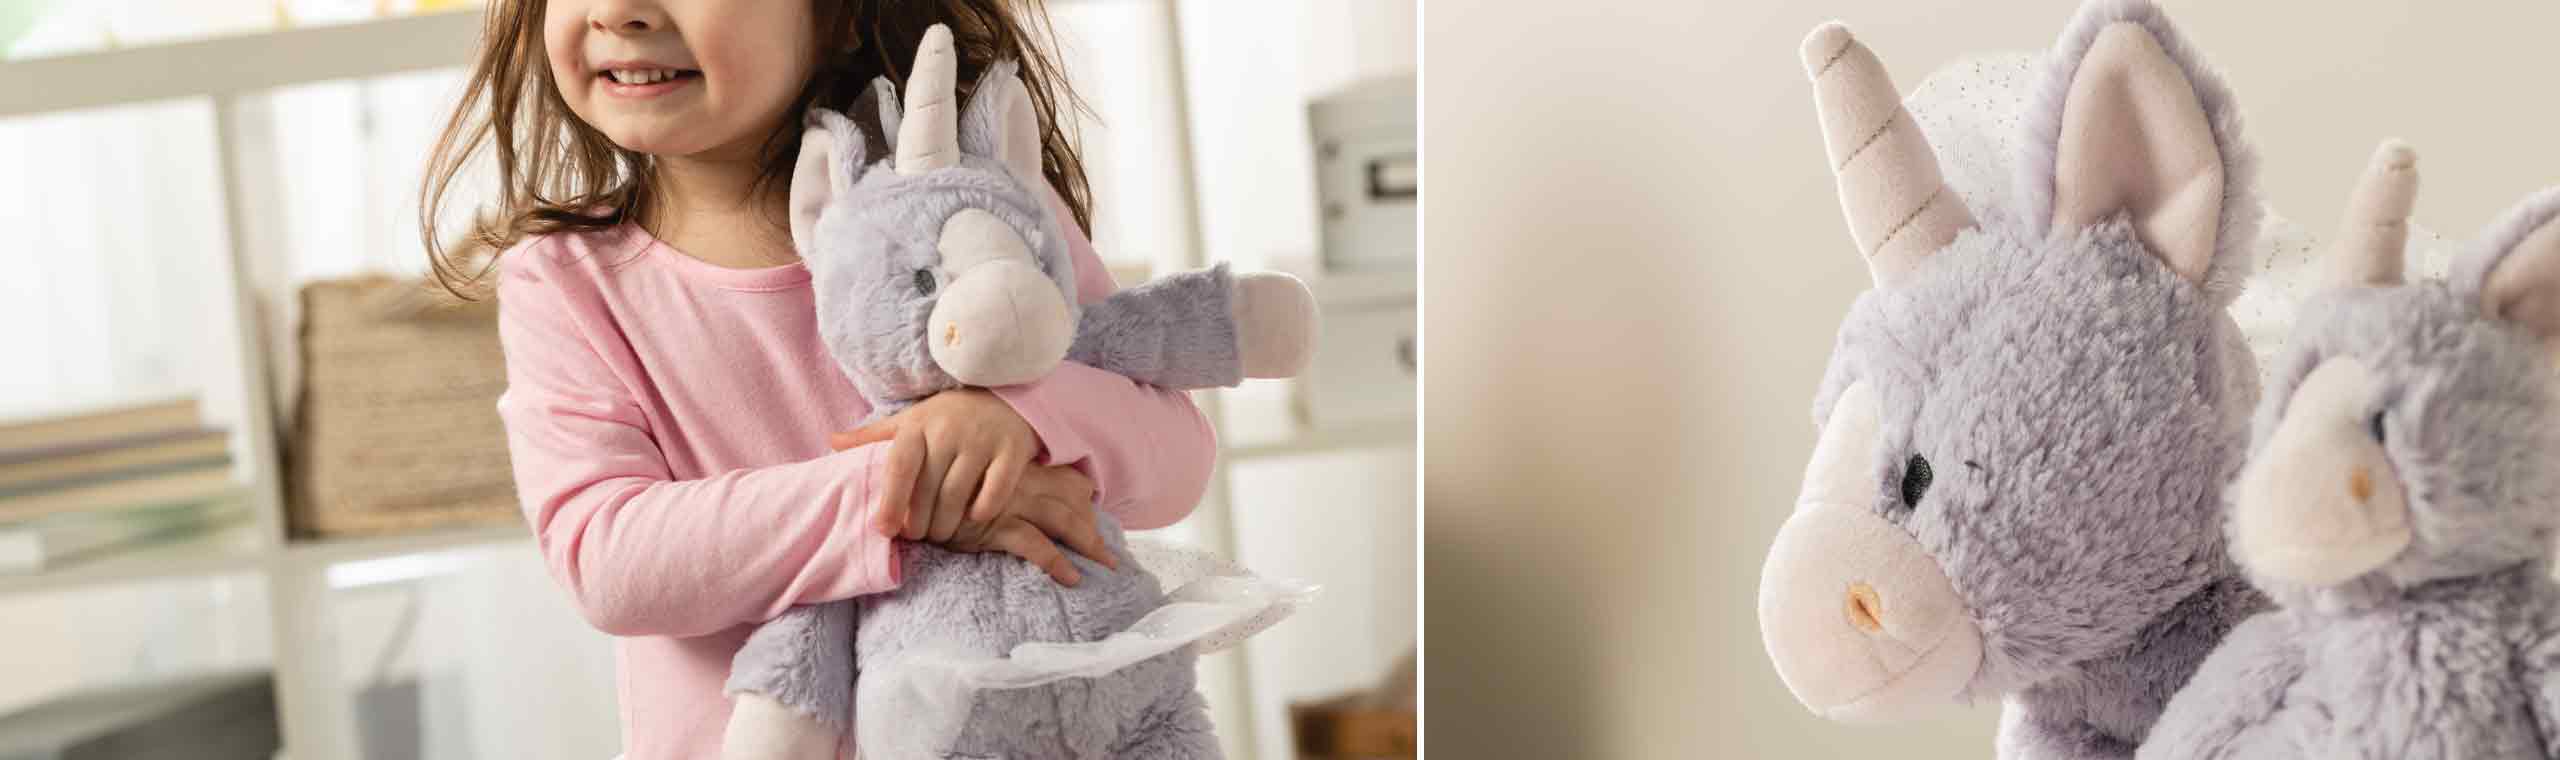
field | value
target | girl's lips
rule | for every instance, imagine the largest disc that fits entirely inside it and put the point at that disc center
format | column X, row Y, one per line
column 650, row 90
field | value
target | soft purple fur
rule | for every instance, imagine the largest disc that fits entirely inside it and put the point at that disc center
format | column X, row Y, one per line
column 1176, row 331
column 2451, row 649
column 870, row 241
column 2081, row 405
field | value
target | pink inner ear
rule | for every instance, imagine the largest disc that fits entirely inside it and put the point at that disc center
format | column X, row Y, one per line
column 1021, row 136
column 2525, row 288
column 813, row 183
column 2135, row 140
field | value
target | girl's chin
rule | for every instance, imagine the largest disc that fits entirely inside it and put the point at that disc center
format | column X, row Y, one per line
column 657, row 140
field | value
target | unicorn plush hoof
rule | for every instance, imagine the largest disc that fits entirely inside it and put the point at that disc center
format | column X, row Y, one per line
column 763, row 729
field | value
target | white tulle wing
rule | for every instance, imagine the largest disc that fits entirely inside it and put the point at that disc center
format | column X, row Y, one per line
column 1211, row 604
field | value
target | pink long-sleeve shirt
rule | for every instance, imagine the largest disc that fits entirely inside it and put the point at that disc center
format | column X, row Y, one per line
column 668, row 422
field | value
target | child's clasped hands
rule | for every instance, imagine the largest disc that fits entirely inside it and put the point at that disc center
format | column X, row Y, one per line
column 960, row 473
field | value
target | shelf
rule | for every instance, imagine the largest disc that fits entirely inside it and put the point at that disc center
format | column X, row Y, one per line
column 1383, row 434
column 239, row 63
column 332, row 551
column 230, row 549
column 237, row 548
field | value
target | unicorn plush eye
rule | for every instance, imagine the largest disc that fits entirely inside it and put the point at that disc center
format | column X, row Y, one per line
column 2374, row 426
column 924, row 282
column 1915, row 481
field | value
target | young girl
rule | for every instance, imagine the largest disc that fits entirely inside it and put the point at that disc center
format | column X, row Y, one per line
column 670, row 407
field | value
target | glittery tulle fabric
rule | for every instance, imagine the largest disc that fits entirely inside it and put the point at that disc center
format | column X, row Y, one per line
column 1211, row 604
column 1970, row 111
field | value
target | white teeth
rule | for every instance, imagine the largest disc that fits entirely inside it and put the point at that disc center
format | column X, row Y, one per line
column 641, row 76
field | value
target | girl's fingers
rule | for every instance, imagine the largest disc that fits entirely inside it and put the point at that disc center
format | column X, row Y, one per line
column 1074, row 525
column 928, row 491
column 897, row 491
column 1004, row 478
column 876, row 432
column 972, row 536
column 959, row 486
column 1020, row 539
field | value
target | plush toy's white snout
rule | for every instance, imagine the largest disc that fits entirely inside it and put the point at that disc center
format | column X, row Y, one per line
column 1860, row 621
column 999, row 321
column 2320, row 504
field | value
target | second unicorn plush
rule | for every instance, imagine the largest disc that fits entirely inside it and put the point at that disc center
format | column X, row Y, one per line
column 2399, row 504
column 2026, row 424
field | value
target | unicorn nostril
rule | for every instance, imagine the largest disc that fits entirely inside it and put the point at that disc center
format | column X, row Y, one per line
column 951, row 334
column 1866, row 612
column 2360, row 483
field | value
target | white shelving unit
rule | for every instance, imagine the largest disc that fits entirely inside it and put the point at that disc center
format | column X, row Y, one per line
column 314, row 712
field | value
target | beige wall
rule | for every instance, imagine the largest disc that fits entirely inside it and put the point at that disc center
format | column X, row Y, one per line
column 1635, row 268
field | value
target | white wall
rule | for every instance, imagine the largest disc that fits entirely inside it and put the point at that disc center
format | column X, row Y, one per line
column 1344, row 520
column 1636, row 266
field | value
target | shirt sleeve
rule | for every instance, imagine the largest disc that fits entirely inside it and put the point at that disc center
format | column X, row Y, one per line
column 1149, row 450
column 641, row 553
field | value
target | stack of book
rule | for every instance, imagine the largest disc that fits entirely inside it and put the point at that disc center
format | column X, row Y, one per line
column 81, row 484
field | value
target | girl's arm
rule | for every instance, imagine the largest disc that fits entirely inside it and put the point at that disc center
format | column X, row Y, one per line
column 644, row 554
column 1148, row 450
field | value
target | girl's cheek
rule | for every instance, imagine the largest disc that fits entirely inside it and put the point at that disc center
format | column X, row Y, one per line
column 562, row 23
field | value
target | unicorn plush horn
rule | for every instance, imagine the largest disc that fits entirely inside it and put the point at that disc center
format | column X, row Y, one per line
column 929, row 133
column 1899, row 208
column 2375, row 232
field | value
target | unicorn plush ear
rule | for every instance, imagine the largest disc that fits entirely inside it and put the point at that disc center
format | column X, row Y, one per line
column 999, row 122
column 831, row 151
column 2129, row 121
column 1899, row 207
column 2373, row 238
column 883, row 101
column 2515, row 271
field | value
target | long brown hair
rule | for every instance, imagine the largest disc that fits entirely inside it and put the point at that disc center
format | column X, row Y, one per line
column 556, row 173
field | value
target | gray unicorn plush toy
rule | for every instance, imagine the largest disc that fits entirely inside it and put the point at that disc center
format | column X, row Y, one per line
column 2026, row 424
column 942, row 267
column 2399, row 505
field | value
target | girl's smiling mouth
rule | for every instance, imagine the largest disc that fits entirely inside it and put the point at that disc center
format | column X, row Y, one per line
column 643, row 80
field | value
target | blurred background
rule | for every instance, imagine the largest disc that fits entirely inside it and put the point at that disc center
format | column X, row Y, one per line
column 252, row 489
column 1637, row 268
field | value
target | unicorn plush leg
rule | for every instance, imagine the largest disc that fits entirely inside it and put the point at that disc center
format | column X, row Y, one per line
column 763, row 729
column 793, row 682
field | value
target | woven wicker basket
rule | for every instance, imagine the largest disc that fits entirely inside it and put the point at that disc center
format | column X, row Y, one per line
column 395, row 425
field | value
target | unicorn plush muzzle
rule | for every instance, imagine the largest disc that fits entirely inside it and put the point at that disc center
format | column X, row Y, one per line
column 2321, row 504
column 1001, row 321
column 1860, row 621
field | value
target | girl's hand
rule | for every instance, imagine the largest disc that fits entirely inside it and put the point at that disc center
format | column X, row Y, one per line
column 957, row 454
column 938, row 442
column 1055, row 501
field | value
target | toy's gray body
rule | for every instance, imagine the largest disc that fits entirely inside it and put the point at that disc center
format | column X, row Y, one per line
column 984, row 605
column 2449, row 646
column 872, row 242
column 2431, row 676
column 1147, row 710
